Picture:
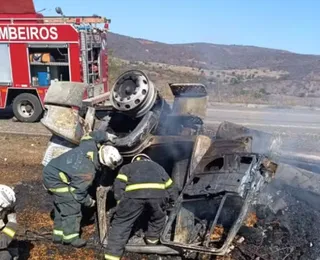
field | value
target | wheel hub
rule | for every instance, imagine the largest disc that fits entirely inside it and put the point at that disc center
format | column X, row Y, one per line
column 26, row 109
column 29, row 108
column 133, row 93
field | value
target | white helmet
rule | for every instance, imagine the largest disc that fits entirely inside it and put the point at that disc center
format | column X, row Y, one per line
column 7, row 196
column 110, row 156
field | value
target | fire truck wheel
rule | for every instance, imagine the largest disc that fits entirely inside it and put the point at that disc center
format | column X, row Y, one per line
column 27, row 107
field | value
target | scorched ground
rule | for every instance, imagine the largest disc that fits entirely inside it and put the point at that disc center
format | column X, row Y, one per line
column 288, row 231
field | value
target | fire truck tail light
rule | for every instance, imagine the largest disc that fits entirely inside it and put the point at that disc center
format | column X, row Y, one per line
column 75, row 109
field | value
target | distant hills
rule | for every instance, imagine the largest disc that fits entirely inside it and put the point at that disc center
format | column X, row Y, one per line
column 232, row 73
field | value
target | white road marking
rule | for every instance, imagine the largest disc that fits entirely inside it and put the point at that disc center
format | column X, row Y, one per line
column 304, row 155
column 277, row 112
column 268, row 125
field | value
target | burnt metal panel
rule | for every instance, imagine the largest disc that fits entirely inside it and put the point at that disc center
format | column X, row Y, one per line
column 154, row 141
column 203, row 203
column 188, row 89
column 262, row 142
column 190, row 99
column 219, row 147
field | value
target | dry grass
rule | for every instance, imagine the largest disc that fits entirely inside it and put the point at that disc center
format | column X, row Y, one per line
column 33, row 220
column 259, row 85
column 224, row 258
column 217, row 233
column 41, row 222
column 52, row 252
column 39, row 251
column 251, row 220
column 20, row 158
column 224, row 76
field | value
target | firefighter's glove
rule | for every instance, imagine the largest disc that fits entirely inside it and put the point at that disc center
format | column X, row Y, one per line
column 5, row 240
column 2, row 224
column 111, row 137
column 89, row 202
column 12, row 218
column 172, row 201
column 92, row 203
column 170, row 206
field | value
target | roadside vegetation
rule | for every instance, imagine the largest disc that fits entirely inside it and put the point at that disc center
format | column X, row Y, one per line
column 259, row 86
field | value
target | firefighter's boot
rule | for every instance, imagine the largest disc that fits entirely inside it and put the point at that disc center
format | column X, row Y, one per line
column 79, row 242
column 57, row 239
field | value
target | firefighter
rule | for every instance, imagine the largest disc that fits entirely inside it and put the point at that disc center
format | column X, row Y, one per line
column 8, row 222
column 69, row 176
column 142, row 184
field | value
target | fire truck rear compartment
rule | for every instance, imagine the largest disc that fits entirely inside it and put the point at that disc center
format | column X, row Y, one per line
column 47, row 49
column 52, row 61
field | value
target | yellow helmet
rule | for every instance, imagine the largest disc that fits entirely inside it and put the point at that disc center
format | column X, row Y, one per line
column 141, row 157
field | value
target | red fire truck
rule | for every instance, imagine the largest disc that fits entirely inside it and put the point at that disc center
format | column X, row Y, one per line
column 36, row 50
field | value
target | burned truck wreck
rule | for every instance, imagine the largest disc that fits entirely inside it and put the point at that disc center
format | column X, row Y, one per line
column 219, row 178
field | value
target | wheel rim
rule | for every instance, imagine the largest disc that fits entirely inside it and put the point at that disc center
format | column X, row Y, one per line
column 26, row 109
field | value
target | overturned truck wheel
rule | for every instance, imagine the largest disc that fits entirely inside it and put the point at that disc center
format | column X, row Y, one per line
column 133, row 93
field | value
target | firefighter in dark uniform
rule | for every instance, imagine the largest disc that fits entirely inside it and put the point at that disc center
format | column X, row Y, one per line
column 8, row 220
column 69, row 176
column 142, row 184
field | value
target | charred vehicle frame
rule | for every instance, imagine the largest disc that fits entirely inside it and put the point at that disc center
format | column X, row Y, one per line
column 218, row 179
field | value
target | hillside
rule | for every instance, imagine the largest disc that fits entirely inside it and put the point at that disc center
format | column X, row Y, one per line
column 232, row 73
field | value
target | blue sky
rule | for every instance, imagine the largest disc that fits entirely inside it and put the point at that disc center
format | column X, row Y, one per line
column 292, row 25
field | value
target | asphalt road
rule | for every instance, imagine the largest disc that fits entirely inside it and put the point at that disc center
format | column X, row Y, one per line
column 291, row 121
column 299, row 121
column 299, row 128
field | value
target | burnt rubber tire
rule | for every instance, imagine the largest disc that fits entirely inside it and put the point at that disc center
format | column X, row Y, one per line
column 27, row 108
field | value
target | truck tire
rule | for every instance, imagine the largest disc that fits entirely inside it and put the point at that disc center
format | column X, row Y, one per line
column 27, row 108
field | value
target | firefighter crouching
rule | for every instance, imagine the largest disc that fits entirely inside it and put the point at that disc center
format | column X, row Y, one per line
column 139, row 185
column 69, row 176
column 8, row 222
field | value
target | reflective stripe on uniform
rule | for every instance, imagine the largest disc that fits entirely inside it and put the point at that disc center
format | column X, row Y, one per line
column 168, row 183
column 122, row 177
column 152, row 241
column 58, row 232
column 9, row 232
column 86, row 137
column 140, row 186
column 63, row 177
column 71, row 236
column 62, row 190
column 111, row 257
column 90, row 155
